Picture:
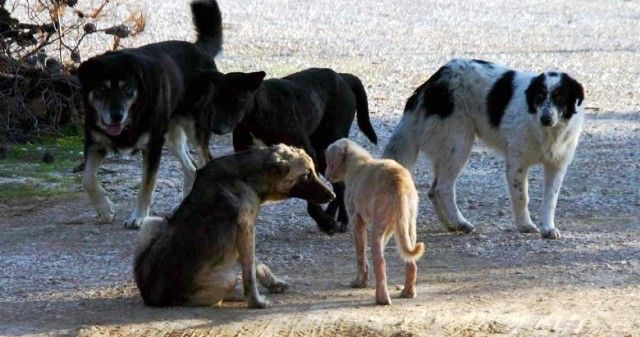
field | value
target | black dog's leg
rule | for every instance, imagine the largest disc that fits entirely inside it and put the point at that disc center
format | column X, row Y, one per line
column 324, row 221
column 150, row 164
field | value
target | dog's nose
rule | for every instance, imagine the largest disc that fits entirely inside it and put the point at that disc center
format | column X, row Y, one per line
column 116, row 117
column 546, row 120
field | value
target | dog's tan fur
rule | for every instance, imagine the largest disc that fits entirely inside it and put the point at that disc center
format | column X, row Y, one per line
column 379, row 192
column 189, row 258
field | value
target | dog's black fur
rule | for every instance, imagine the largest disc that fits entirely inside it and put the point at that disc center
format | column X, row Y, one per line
column 309, row 109
column 187, row 258
column 141, row 92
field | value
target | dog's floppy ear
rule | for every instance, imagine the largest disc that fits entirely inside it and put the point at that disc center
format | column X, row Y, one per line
column 276, row 165
column 576, row 92
column 253, row 81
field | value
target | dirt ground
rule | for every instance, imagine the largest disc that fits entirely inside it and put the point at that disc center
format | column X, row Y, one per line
column 62, row 273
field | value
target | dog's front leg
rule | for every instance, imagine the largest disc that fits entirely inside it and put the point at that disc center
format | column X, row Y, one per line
column 359, row 228
column 150, row 164
column 518, row 189
column 552, row 182
column 246, row 251
column 93, row 159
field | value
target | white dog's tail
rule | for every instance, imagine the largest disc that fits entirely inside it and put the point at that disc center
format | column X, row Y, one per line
column 406, row 231
column 404, row 144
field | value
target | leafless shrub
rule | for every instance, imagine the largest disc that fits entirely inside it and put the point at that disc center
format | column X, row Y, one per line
column 41, row 45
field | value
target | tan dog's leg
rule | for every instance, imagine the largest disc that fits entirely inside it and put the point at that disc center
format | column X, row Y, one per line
column 380, row 265
column 268, row 280
column 246, row 248
column 360, row 242
column 411, row 271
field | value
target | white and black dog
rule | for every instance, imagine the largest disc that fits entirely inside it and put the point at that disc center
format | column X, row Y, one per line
column 135, row 98
column 530, row 118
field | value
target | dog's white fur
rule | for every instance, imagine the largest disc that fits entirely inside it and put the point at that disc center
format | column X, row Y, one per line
column 520, row 137
column 379, row 193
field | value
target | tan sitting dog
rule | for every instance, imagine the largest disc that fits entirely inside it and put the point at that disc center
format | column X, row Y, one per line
column 380, row 193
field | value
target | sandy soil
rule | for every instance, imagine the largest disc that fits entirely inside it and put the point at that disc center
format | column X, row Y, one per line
column 62, row 273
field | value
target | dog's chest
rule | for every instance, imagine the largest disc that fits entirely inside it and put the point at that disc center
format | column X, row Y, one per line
column 124, row 146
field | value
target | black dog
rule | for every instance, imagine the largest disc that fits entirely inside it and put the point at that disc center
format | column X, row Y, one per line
column 189, row 258
column 309, row 109
column 133, row 98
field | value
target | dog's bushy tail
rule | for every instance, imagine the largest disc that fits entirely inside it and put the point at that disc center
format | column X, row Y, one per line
column 208, row 21
column 405, row 230
column 362, row 106
column 404, row 144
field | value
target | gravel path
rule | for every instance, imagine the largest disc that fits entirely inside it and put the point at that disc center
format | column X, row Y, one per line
column 64, row 274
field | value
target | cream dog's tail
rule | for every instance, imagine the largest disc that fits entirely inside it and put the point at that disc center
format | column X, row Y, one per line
column 406, row 230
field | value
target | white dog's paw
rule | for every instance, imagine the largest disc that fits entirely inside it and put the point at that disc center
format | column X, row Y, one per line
column 528, row 228
column 463, row 226
column 105, row 211
column 259, row 302
column 278, row 286
column 550, row 233
column 134, row 221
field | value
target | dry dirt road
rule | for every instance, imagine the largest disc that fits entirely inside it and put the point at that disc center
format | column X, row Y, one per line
column 62, row 273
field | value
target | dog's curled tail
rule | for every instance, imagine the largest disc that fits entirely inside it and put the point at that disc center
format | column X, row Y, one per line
column 405, row 230
column 362, row 106
column 208, row 21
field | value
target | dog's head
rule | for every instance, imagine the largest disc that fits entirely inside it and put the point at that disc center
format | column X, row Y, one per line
column 295, row 176
column 336, row 156
column 553, row 97
column 229, row 97
column 111, row 84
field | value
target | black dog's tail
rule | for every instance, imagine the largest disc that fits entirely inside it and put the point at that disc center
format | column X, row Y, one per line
column 208, row 21
column 362, row 106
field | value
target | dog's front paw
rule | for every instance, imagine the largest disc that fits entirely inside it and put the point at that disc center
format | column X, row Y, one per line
column 550, row 233
column 105, row 211
column 328, row 226
column 341, row 227
column 259, row 302
column 134, row 222
column 464, row 227
column 528, row 228
column 278, row 287
column 383, row 298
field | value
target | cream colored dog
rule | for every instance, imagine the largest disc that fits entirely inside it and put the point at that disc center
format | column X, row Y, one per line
column 379, row 192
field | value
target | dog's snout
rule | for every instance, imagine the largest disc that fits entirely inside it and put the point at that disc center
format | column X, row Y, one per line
column 546, row 120
column 116, row 117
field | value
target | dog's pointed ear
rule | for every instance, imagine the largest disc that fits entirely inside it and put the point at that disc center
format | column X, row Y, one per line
column 253, row 81
column 208, row 75
column 88, row 69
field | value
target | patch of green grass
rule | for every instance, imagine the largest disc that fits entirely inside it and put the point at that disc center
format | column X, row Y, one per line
column 51, row 179
column 30, row 190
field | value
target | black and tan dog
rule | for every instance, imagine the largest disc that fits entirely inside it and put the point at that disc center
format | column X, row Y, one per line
column 136, row 97
column 309, row 109
column 189, row 258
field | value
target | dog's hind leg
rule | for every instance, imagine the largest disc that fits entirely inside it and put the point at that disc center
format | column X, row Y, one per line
column 379, row 240
column 448, row 161
column 552, row 182
column 150, row 164
column 177, row 144
column 214, row 287
column 274, row 284
column 93, row 159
